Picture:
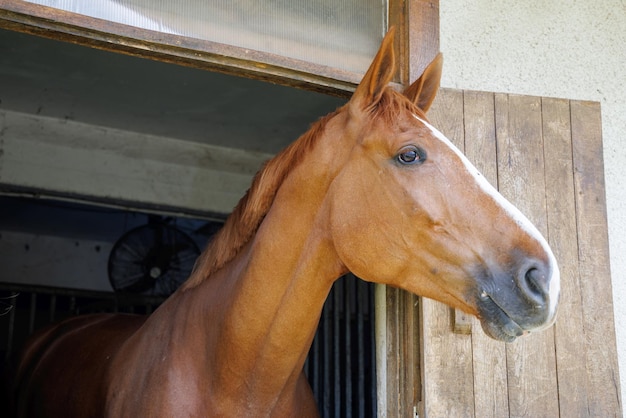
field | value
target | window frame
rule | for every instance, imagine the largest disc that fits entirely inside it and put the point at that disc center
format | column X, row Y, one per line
column 416, row 44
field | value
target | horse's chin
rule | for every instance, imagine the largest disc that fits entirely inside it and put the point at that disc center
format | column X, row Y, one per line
column 497, row 324
column 507, row 332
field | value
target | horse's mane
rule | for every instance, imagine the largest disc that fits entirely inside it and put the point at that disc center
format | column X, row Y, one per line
column 247, row 216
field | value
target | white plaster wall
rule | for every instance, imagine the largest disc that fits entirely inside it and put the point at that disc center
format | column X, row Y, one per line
column 573, row 49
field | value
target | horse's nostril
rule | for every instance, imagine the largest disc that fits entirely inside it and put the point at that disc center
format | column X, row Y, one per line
column 537, row 283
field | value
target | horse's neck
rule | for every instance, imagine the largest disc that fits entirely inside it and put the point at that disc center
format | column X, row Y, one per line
column 275, row 308
column 266, row 303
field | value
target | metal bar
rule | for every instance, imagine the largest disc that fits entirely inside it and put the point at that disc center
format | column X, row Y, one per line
column 24, row 288
column 347, row 309
column 372, row 343
column 326, row 398
column 336, row 358
column 33, row 312
column 53, row 306
column 361, row 312
column 313, row 367
column 381, row 340
column 11, row 328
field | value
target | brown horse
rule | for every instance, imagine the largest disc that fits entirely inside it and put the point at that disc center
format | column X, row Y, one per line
column 372, row 189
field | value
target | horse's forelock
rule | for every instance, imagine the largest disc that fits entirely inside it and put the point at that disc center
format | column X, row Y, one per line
column 391, row 105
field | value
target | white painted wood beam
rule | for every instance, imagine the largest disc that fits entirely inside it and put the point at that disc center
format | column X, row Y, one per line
column 68, row 159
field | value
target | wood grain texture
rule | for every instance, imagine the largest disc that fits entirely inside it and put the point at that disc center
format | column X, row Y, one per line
column 489, row 356
column 461, row 322
column 593, row 257
column 403, row 385
column 545, row 155
column 531, row 363
column 423, row 35
column 398, row 18
column 561, row 211
column 448, row 375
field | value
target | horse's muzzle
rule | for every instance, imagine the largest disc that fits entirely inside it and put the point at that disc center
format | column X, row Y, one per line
column 518, row 302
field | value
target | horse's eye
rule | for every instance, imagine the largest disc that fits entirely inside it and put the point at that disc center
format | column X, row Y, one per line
column 411, row 155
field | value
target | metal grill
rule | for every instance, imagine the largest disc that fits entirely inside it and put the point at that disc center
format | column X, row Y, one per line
column 341, row 364
column 28, row 308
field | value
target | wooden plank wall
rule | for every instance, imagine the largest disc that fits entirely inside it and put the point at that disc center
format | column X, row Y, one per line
column 403, row 389
column 545, row 155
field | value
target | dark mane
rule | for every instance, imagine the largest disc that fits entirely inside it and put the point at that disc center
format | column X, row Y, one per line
column 245, row 219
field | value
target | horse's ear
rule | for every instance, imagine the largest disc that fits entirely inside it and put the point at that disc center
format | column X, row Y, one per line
column 423, row 91
column 380, row 73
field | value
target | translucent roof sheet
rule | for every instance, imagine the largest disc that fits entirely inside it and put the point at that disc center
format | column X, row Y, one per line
column 341, row 34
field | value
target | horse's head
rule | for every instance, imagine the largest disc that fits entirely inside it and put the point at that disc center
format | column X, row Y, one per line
column 409, row 210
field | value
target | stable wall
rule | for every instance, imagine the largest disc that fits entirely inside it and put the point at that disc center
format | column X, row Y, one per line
column 569, row 49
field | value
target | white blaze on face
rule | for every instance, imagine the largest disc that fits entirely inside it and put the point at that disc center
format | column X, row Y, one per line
column 507, row 206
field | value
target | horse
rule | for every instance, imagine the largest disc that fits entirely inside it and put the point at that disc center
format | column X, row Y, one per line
column 373, row 189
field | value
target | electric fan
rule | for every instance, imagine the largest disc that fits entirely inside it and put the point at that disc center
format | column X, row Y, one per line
column 152, row 259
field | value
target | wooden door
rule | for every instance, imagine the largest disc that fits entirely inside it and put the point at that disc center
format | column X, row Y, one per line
column 545, row 155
